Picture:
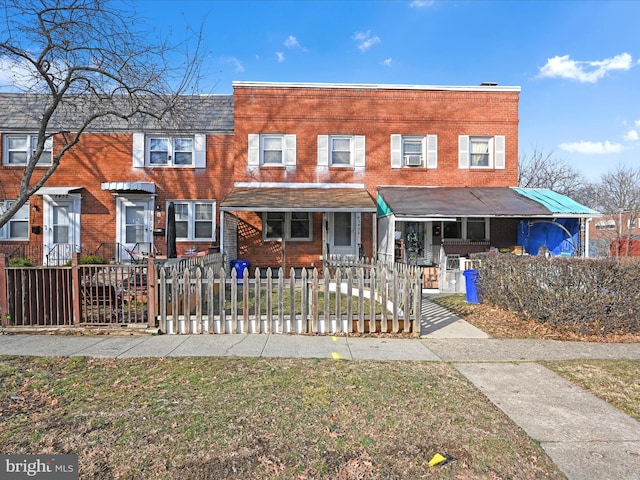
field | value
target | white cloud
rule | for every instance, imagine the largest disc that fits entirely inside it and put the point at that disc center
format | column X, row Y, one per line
column 237, row 66
column 16, row 75
column 637, row 123
column 421, row 3
column 387, row 62
column 584, row 71
column 631, row 135
column 291, row 42
column 591, row 147
column 280, row 56
column 365, row 40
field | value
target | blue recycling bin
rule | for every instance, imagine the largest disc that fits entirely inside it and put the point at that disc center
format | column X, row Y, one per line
column 470, row 277
column 239, row 265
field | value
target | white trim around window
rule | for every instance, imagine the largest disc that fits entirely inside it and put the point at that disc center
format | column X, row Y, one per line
column 271, row 149
column 17, row 148
column 161, row 150
column 17, row 228
column 414, row 151
column 341, row 150
column 195, row 220
column 289, row 226
column 481, row 152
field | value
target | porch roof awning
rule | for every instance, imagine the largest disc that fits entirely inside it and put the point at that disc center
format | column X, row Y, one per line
column 442, row 202
column 57, row 190
column 305, row 198
column 146, row 187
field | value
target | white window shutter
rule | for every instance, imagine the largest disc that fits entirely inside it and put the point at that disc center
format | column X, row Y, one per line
column 432, row 151
column 323, row 150
column 463, row 151
column 396, row 151
column 138, row 149
column 500, row 152
column 253, row 159
column 200, row 150
column 289, row 150
column 359, row 159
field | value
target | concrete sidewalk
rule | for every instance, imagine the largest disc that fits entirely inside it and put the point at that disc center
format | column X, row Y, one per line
column 586, row 437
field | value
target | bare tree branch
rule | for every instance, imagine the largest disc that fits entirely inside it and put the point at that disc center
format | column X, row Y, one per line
column 83, row 62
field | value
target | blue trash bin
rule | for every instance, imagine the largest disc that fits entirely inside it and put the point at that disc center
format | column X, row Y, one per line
column 239, row 265
column 470, row 277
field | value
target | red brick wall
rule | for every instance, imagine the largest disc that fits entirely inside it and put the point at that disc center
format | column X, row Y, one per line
column 376, row 114
column 102, row 157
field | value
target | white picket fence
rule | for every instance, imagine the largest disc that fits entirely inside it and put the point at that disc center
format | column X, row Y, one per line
column 340, row 300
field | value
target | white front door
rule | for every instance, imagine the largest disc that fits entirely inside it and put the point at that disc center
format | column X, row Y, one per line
column 61, row 235
column 134, row 230
column 343, row 234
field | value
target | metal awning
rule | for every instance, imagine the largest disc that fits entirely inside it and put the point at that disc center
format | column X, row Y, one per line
column 146, row 187
column 291, row 198
column 443, row 202
column 57, row 190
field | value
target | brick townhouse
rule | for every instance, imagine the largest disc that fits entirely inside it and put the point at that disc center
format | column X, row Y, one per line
column 285, row 174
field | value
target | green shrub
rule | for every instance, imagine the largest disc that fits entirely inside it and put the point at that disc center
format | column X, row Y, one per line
column 93, row 260
column 20, row 262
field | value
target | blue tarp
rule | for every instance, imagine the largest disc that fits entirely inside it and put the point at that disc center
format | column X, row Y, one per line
column 549, row 233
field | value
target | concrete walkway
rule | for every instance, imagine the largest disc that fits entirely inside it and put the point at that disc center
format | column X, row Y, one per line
column 586, row 437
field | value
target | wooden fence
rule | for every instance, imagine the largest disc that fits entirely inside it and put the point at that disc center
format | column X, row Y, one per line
column 340, row 300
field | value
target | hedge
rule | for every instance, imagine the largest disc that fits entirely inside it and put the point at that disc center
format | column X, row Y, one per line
column 590, row 296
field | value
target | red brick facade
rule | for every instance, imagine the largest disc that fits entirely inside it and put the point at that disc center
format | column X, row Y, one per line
column 305, row 111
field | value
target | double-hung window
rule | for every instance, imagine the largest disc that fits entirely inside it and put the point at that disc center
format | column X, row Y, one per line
column 19, row 148
column 286, row 226
column 341, row 150
column 17, row 228
column 158, row 150
column 272, row 149
column 195, row 220
column 478, row 152
column 167, row 151
column 414, row 151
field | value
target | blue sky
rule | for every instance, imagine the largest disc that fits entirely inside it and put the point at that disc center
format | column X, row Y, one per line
column 577, row 62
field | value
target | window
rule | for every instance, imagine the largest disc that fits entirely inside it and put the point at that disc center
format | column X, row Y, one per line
column 194, row 219
column 341, row 150
column 19, row 148
column 273, row 149
column 286, row 225
column 479, row 152
column 169, row 151
column 606, row 225
column 476, row 152
column 474, row 228
column 17, row 228
column 414, row 151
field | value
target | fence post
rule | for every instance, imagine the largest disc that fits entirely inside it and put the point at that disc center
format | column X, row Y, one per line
column 4, row 306
column 75, row 288
column 152, row 293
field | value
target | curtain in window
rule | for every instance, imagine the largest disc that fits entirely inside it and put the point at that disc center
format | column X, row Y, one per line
column 479, row 153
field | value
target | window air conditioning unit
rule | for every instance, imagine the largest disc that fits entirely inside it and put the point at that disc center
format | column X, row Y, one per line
column 413, row 160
